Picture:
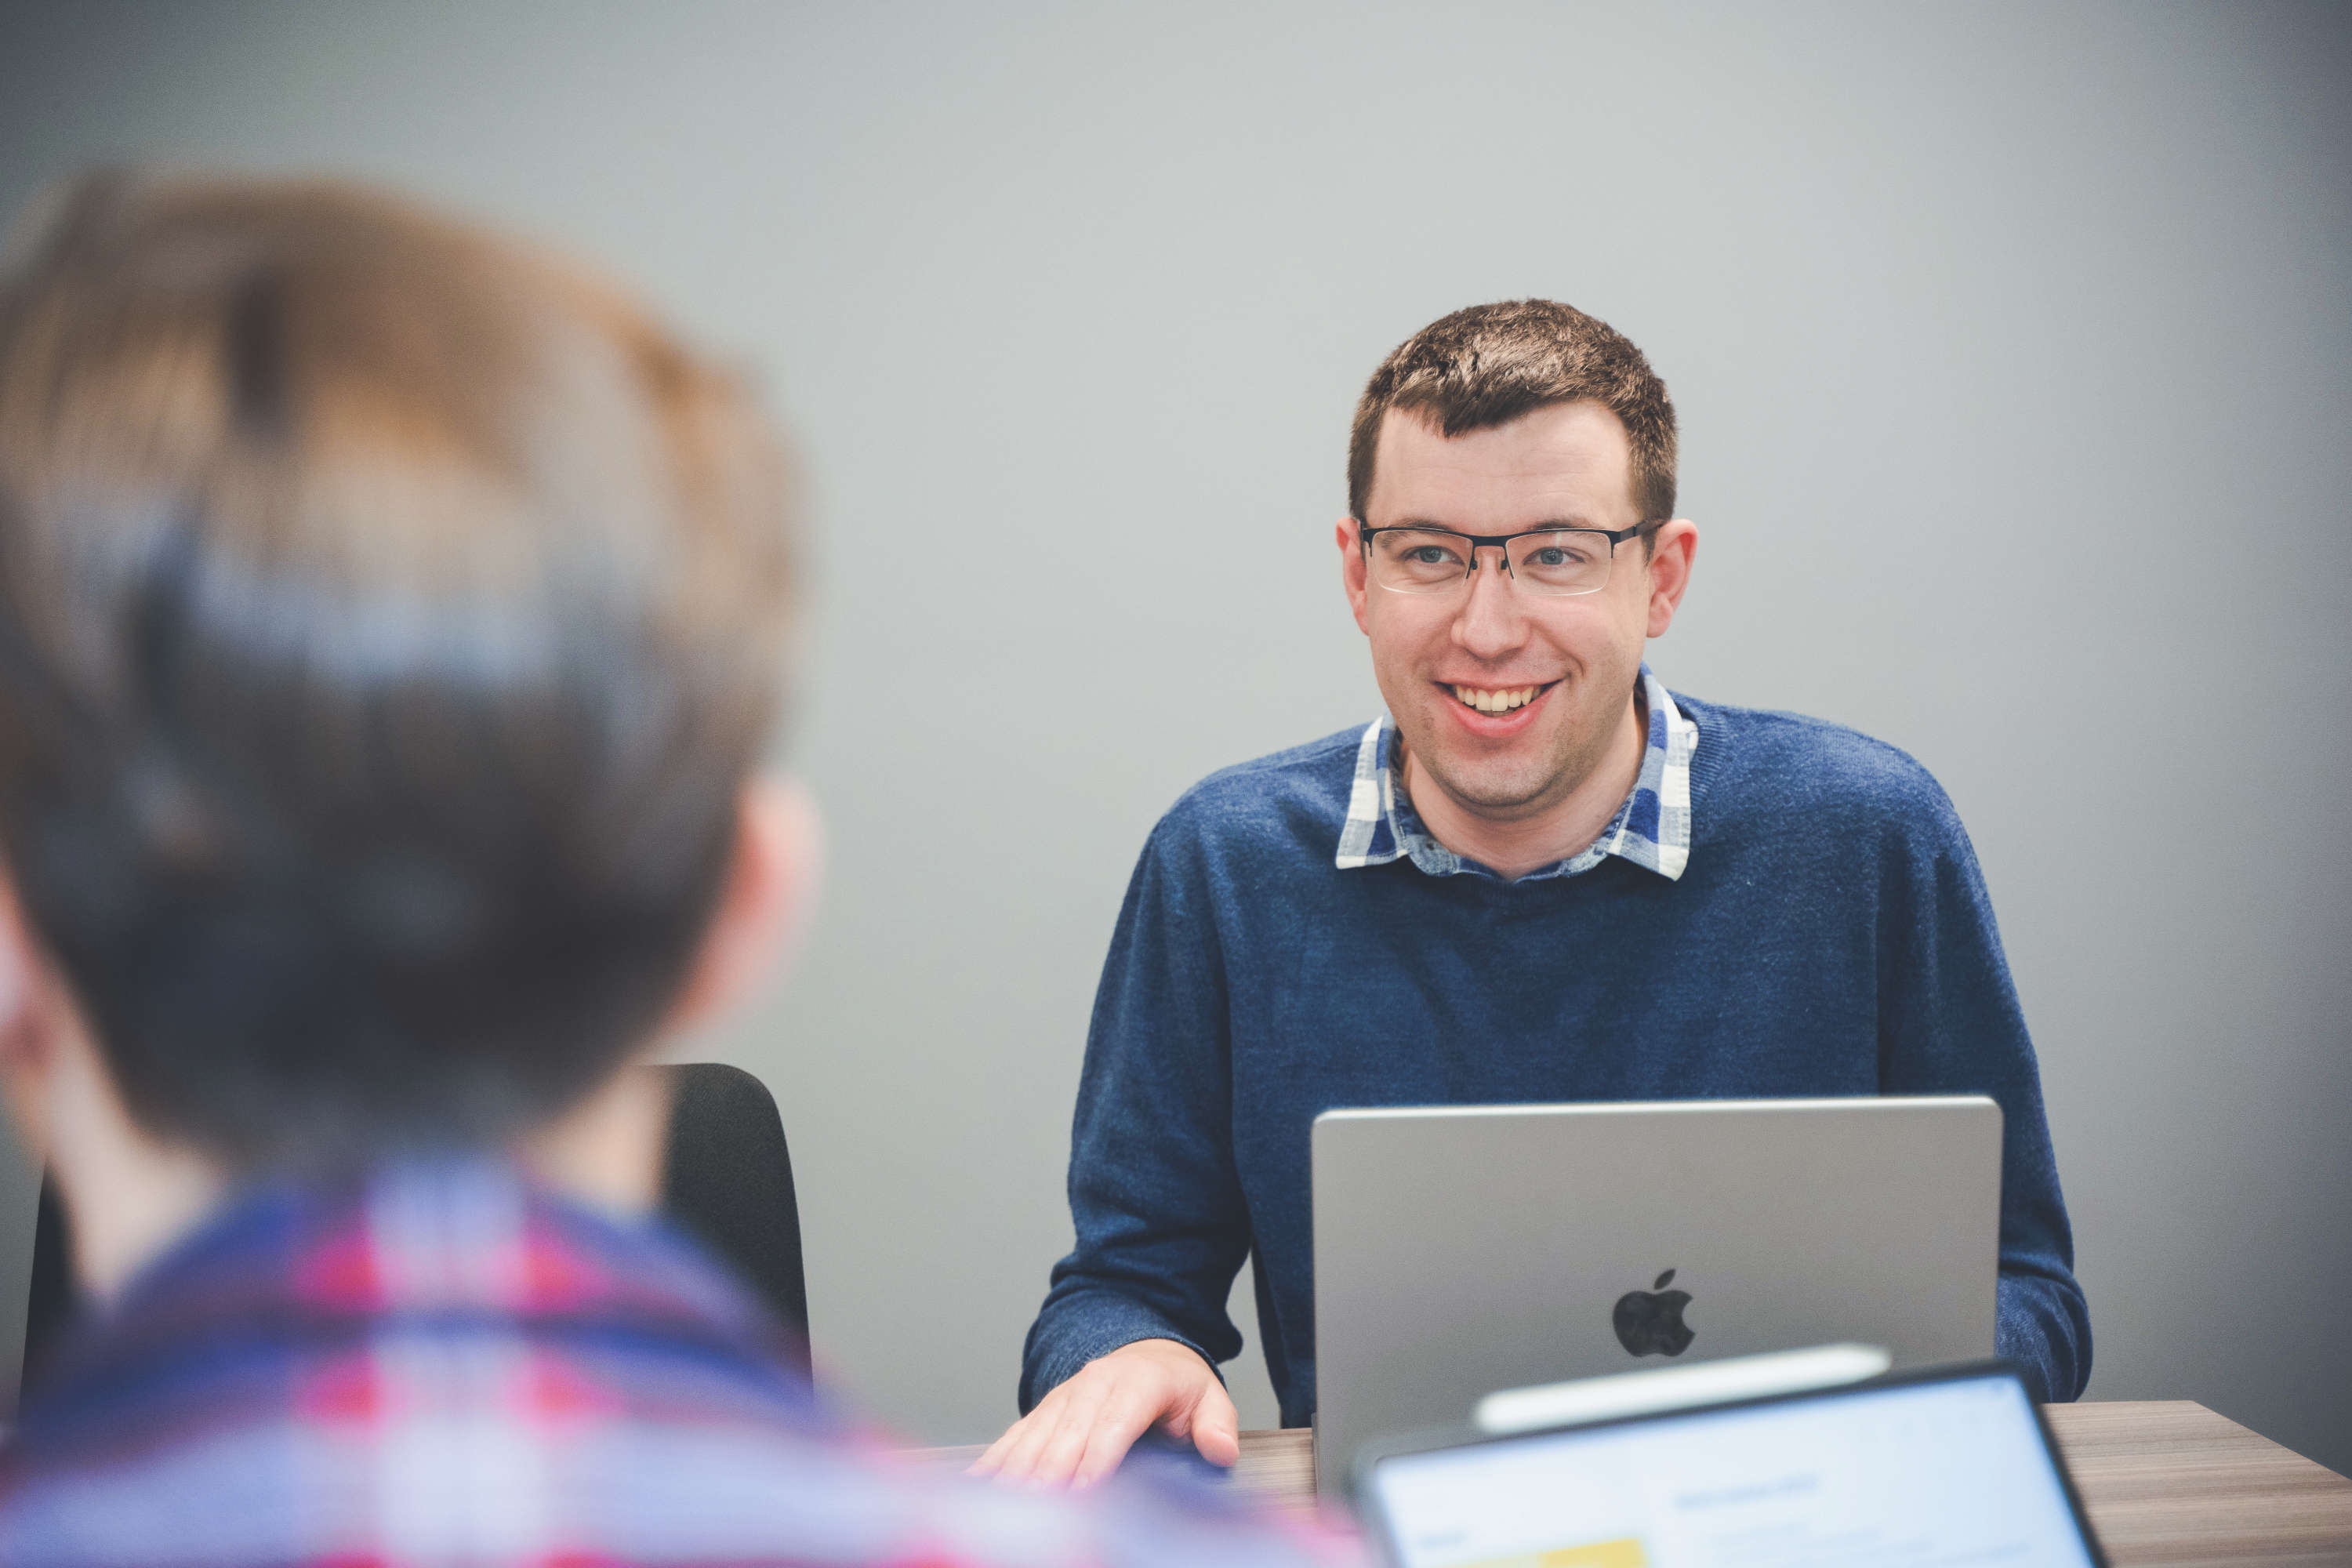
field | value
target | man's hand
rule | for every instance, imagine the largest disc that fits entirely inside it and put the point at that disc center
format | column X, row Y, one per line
column 1080, row 1431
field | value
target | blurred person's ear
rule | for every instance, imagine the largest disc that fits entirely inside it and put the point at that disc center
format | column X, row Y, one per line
column 764, row 907
column 28, row 1026
column 609, row 1147
column 127, row 1192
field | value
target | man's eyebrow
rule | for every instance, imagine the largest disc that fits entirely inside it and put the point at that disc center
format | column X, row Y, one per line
column 1548, row 525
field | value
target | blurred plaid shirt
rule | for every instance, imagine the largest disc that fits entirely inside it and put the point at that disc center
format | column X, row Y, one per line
column 447, row 1366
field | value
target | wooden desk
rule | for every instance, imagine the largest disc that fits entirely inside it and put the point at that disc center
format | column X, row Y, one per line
column 2165, row 1482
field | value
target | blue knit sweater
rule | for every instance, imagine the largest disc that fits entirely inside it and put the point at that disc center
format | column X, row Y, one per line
column 1830, row 936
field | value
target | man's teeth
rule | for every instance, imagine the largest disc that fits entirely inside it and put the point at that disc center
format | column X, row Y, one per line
column 1497, row 701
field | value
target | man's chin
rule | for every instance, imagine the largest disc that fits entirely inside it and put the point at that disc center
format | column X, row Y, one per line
column 1500, row 793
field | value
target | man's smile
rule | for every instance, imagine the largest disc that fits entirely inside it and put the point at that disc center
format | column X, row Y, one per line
column 1497, row 710
column 1498, row 699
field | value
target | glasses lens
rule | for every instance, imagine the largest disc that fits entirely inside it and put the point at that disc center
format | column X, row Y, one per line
column 1569, row 562
column 1417, row 561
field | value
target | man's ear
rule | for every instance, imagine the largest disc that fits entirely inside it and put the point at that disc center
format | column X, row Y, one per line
column 128, row 1192
column 1351, row 569
column 28, row 1043
column 1673, row 548
column 764, row 907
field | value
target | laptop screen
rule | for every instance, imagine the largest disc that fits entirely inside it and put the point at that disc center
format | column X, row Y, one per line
column 1949, row 1471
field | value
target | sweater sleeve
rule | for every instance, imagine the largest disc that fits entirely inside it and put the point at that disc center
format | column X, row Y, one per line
column 1949, row 1023
column 1154, row 1196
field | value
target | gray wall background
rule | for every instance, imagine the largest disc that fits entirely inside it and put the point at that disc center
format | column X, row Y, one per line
column 2011, row 349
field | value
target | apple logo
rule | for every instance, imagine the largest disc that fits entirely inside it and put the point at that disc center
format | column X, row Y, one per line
column 1650, row 1322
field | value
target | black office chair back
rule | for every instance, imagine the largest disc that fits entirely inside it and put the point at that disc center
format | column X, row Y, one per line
column 727, row 1182
column 50, row 1302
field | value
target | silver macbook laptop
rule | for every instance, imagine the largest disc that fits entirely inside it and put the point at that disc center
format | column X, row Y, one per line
column 1463, row 1249
column 1950, row 1466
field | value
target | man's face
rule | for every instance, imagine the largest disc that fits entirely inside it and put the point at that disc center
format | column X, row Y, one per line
column 1564, row 465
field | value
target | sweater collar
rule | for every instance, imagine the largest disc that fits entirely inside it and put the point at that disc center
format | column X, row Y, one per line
column 1652, row 828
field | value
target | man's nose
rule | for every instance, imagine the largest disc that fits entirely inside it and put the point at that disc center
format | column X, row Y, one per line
column 1492, row 622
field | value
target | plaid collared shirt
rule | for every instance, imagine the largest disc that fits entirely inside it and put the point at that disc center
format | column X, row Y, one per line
column 445, row 1366
column 1652, row 828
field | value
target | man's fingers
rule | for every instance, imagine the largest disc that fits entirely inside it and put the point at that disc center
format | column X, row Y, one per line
column 1113, row 1419
column 1001, row 1451
column 1022, row 1460
column 1217, row 1426
column 1115, row 1430
column 988, row 1464
column 1016, row 1453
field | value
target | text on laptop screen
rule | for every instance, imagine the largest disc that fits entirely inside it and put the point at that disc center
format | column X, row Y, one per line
column 1948, row 1473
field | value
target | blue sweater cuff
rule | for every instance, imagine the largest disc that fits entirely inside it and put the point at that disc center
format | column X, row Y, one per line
column 1081, row 1331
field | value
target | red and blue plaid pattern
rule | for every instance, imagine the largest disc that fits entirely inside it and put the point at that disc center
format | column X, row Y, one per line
column 443, row 1365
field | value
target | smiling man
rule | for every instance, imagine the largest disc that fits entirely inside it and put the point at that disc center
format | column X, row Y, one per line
column 1540, row 877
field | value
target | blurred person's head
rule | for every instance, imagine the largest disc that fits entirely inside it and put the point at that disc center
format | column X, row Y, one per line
column 391, row 618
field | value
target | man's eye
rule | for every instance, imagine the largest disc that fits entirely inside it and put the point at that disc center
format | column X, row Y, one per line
column 1429, row 555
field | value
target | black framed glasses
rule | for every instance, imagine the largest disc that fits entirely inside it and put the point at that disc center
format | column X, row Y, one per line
column 1414, row 559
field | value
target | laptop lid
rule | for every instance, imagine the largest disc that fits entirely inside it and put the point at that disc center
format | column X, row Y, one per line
column 1947, row 1466
column 1462, row 1249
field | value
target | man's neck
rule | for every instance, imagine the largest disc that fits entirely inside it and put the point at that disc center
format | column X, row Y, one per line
column 131, row 1194
column 1513, row 846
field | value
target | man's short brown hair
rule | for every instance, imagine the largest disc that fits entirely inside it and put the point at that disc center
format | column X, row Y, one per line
column 1488, row 364
column 389, row 617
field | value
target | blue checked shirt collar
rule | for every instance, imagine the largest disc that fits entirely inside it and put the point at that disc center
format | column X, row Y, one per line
column 1652, row 828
